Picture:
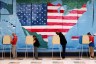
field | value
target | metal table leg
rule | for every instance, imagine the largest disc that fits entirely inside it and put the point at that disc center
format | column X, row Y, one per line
column 60, row 52
column 10, row 52
column 3, row 52
column 52, row 51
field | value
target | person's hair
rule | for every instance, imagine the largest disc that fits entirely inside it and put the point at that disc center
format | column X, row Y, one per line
column 88, row 33
column 58, row 33
column 34, row 37
column 13, row 33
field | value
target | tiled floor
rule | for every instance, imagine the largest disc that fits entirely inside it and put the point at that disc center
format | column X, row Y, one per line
column 71, row 60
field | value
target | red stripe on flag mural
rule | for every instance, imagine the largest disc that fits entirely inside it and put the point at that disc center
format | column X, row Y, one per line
column 45, row 36
column 75, row 37
column 54, row 11
column 77, row 11
column 62, row 11
column 50, row 4
column 48, row 30
column 64, row 17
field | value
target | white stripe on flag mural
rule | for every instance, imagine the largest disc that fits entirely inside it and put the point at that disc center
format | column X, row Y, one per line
column 48, row 27
column 62, row 8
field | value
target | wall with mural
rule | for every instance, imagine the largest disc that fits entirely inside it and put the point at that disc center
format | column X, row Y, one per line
column 43, row 18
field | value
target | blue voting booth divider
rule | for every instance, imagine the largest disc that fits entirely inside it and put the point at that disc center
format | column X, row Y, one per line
column 80, row 39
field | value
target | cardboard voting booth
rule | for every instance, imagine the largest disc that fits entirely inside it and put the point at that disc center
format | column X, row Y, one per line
column 7, row 39
column 29, row 39
column 56, row 39
column 85, row 39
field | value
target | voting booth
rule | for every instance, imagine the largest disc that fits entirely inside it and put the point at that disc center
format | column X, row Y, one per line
column 83, row 40
column 56, row 40
column 29, row 41
column 6, row 42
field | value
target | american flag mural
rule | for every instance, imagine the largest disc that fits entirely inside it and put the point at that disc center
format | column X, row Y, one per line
column 46, row 19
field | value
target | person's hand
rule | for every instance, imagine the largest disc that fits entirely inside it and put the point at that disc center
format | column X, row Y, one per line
column 34, row 41
column 11, row 39
column 90, row 41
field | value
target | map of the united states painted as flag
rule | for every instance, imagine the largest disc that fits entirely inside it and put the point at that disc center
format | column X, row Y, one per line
column 45, row 19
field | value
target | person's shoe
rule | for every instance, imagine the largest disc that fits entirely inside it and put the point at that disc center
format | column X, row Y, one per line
column 14, row 57
column 63, row 57
column 91, row 58
column 36, row 58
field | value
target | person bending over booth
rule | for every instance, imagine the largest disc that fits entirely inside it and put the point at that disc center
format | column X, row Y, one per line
column 63, row 42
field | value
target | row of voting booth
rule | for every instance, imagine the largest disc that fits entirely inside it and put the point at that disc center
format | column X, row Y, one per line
column 29, row 40
column 55, row 40
column 83, row 40
column 7, row 41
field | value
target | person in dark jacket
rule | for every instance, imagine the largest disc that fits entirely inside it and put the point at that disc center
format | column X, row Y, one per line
column 63, row 42
column 36, row 45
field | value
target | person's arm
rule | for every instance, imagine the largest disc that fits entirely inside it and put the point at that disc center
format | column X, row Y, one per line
column 11, row 39
column 34, row 41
